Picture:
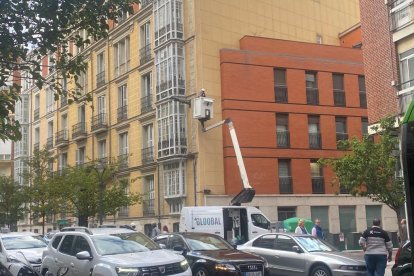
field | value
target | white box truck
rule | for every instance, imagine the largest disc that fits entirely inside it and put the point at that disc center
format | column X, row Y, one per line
column 236, row 224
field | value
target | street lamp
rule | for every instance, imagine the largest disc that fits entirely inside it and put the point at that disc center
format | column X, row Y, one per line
column 100, row 168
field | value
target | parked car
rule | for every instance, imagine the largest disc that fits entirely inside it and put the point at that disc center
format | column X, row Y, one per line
column 21, row 252
column 294, row 254
column 209, row 254
column 403, row 265
column 109, row 252
column 4, row 271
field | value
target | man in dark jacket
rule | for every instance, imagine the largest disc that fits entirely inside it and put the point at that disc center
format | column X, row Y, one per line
column 377, row 246
column 317, row 230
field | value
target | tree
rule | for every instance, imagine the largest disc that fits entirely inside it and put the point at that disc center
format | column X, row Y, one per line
column 45, row 191
column 31, row 30
column 368, row 167
column 12, row 199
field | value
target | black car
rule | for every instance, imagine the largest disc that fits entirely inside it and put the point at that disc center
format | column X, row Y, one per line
column 403, row 265
column 209, row 254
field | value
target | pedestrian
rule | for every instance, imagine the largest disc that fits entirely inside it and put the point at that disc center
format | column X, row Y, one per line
column 155, row 230
column 301, row 227
column 403, row 235
column 165, row 229
column 317, row 230
column 376, row 245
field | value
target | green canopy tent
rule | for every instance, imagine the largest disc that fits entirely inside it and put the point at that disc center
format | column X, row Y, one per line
column 290, row 224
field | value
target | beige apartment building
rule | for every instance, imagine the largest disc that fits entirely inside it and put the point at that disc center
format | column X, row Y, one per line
column 167, row 50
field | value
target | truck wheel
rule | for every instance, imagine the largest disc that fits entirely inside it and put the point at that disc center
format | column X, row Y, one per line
column 320, row 270
column 201, row 271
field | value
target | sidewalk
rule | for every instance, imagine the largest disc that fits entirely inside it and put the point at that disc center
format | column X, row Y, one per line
column 360, row 254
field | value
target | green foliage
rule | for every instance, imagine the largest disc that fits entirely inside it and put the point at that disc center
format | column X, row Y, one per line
column 30, row 30
column 368, row 167
column 12, row 198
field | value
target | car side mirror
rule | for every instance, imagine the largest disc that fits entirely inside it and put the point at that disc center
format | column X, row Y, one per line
column 84, row 255
column 296, row 249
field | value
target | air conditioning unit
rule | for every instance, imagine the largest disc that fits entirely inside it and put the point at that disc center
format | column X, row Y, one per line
column 203, row 108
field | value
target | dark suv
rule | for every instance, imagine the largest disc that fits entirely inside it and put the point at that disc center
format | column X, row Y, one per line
column 209, row 254
column 403, row 265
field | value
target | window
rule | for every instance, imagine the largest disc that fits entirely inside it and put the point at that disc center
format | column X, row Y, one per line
column 121, row 56
column 282, row 128
column 102, row 149
column 285, row 213
column 321, row 213
column 266, row 241
column 64, row 121
column 100, row 69
column 362, row 92
column 36, row 107
column 50, row 100
column 315, row 141
column 66, row 245
column 312, row 94
column 56, row 241
column 63, row 161
column 176, row 241
column 407, row 69
column 83, row 34
column 260, row 221
column 148, row 144
column 168, row 17
column 149, row 199
column 338, row 90
column 174, row 179
column 281, row 95
column 145, row 51
column 284, row 243
column 285, row 178
column 123, row 143
column 347, row 222
column 82, row 83
column 101, row 105
column 318, row 185
column 122, row 103
column 341, row 129
column 372, row 212
column 81, row 244
column 146, row 100
column 364, row 126
column 81, row 114
column 51, row 62
column 37, row 137
column 80, row 156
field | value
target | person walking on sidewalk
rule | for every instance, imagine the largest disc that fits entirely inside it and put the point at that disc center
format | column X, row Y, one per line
column 317, row 230
column 377, row 246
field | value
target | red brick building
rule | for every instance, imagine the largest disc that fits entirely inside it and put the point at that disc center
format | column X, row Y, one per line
column 290, row 103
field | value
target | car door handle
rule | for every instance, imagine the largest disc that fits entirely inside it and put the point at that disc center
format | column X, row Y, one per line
column 72, row 265
column 254, row 232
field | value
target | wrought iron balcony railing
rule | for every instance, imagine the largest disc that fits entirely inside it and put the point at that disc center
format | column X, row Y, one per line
column 318, row 185
column 147, row 155
column 122, row 113
column 281, row 94
column 99, row 122
column 61, row 137
column 312, row 96
column 285, row 185
column 146, row 104
column 100, row 79
column 63, row 101
column 145, row 54
column 49, row 142
column 315, row 140
column 283, row 139
column 123, row 161
column 79, row 130
column 148, row 207
column 36, row 146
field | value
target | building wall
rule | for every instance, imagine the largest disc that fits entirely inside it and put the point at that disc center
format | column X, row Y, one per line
column 380, row 65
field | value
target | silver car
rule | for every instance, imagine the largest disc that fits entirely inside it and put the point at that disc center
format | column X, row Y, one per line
column 109, row 252
column 21, row 252
column 292, row 254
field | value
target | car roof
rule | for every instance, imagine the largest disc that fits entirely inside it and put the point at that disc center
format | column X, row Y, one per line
column 97, row 231
column 19, row 234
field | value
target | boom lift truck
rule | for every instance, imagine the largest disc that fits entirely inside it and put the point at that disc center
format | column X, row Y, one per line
column 234, row 223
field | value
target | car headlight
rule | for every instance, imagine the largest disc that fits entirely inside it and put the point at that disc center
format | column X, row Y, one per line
column 184, row 265
column 128, row 271
column 351, row 267
column 225, row 267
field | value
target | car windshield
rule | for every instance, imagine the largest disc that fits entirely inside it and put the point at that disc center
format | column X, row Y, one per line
column 123, row 243
column 23, row 242
column 207, row 242
column 312, row 244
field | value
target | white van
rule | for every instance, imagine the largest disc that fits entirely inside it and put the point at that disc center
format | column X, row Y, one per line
column 236, row 224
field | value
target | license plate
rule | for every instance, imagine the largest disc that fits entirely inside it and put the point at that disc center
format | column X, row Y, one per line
column 253, row 273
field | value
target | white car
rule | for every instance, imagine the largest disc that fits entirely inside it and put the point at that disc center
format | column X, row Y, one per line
column 109, row 252
column 21, row 252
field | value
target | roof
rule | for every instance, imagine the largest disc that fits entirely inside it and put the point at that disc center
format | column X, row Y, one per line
column 19, row 234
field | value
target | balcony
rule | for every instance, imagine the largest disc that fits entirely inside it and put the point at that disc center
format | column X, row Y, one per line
column 36, row 114
column 147, row 155
column 49, row 143
column 146, row 104
column 99, row 123
column 285, row 185
column 36, row 146
column 148, row 207
column 315, row 140
column 318, row 185
column 62, row 138
column 145, row 54
column 281, row 94
column 283, row 139
column 145, row 3
column 100, row 79
column 401, row 13
column 79, row 131
column 123, row 161
column 312, row 96
column 339, row 97
column 122, row 113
